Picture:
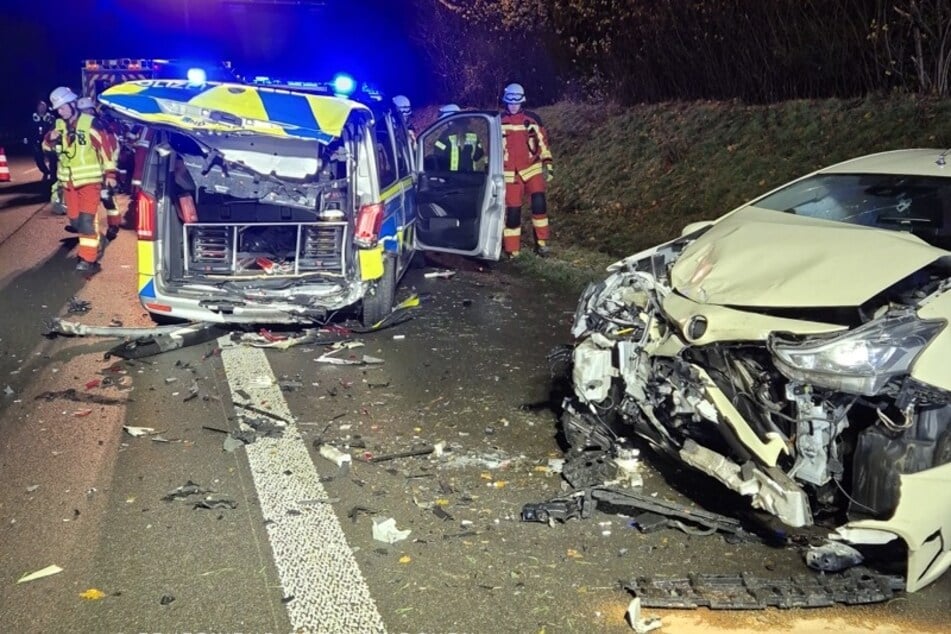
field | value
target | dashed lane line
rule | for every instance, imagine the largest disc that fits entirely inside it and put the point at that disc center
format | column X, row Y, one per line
column 314, row 562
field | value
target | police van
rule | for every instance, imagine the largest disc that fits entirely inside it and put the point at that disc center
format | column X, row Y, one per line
column 278, row 204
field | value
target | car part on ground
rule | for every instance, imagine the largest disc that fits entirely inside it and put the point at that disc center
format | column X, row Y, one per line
column 799, row 371
column 857, row 586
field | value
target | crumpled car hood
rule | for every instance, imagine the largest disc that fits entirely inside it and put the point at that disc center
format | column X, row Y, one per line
column 769, row 259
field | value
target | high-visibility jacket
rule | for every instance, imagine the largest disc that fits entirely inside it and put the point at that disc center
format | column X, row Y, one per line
column 460, row 154
column 526, row 143
column 85, row 149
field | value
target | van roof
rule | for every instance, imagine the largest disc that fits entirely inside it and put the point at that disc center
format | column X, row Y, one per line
column 233, row 108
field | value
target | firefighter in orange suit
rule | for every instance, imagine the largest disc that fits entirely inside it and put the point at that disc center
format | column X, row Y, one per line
column 86, row 152
column 528, row 165
column 113, row 215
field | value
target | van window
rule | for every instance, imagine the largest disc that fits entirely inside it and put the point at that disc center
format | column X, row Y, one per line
column 403, row 159
column 385, row 158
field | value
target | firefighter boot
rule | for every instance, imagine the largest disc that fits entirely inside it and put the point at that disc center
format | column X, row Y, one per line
column 112, row 232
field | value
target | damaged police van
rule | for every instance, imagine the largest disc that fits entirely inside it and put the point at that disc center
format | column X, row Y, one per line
column 262, row 204
column 797, row 350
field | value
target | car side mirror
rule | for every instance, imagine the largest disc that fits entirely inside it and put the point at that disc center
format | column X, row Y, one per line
column 694, row 227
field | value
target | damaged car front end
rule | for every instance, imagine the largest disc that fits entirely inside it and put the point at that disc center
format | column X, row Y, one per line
column 796, row 350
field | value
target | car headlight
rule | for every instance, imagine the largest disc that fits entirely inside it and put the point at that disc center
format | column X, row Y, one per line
column 860, row 361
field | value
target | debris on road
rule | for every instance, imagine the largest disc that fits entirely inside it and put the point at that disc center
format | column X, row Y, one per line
column 384, row 530
column 421, row 451
column 166, row 599
column 560, row 510
column 833, row 557
column 141, row 342
column 186, row 490
column 335, row 456
column 78, row 307
column 92, row 594
column 445, row 274
column 743, row 591
column 216, row 503
column 82, row 413
column 8, row 391
column 138, row 432
column 39, row 574
column 32, row 488
column 638, row 623
column 79, row 397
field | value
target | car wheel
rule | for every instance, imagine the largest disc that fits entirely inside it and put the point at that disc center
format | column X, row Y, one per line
column 378, row 303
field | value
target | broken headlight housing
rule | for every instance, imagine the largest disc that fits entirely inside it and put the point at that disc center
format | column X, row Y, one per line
column 860, row 361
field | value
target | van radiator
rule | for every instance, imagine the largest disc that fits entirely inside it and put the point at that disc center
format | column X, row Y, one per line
column 217, row 248
column 320, row 248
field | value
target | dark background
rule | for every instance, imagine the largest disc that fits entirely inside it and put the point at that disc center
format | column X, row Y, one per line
column 42, row 43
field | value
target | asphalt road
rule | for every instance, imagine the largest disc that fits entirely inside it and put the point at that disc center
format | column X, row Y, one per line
column 288, row 544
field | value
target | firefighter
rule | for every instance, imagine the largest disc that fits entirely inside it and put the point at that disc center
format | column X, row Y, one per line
column 87, row 106
column 405, row 108
column 43, row 121
column 86, row 153
column 528, row 166
column 458, row 149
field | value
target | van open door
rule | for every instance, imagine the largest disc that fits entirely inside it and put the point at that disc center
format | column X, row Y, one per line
column 460, row 198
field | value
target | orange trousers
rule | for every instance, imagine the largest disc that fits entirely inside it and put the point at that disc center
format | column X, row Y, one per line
column 82, row 206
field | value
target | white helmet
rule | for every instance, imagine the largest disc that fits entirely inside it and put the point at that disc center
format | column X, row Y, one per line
column 62, row 96
column 513, row 94
column 403, row 105
column 448, row 109
column 85, row 103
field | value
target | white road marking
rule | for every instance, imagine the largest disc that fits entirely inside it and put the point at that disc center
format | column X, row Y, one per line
column 313, row 559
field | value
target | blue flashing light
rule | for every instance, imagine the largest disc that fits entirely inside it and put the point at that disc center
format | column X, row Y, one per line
column 196, row 76
column 344, row 84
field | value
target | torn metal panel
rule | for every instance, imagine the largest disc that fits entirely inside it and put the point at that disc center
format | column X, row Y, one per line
column 857, row 586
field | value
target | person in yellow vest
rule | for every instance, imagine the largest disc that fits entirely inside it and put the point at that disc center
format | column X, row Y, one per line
column 458, row 149
column 86, row 152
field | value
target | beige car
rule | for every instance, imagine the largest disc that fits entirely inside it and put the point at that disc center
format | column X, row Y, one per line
column 797, row 350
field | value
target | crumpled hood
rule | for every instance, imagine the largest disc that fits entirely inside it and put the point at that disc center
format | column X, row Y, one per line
column 770, row 259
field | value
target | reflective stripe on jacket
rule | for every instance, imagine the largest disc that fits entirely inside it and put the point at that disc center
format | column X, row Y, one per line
column 525, row 140
column 86, row 151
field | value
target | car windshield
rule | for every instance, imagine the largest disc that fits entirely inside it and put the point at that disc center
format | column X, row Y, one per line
column 918, row 204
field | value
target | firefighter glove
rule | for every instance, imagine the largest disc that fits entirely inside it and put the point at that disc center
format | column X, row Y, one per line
column 549, row 171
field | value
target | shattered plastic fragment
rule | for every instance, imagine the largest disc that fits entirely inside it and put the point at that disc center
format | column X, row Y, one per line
column 442, row 274
column 384, row 530
column 82, row 413
column 335, row 456
column 39, row 574
column 32, row 488
column 138, row 432
column 92, row 594
column 833, row 557
column 638, row 623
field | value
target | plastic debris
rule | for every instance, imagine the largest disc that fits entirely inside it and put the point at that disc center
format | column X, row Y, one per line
column 166, row 599
column 422, row 451
column 215, row 503
column 82, row 413
column 335, row 456
column 638, row 623
column 32, row 488
column 231, row 443
column 92, row 594
column 93, row 383
column 39, row 574
column 833, row 557
column 138, row 432
column 441, row 274
column 384, row 530
column 8, row 391
column 188, row 489
column 78, row 306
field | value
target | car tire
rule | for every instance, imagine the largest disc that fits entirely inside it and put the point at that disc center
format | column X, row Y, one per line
column 378, row 303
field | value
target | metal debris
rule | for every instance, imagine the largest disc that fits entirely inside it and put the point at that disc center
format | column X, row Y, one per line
column 421, row 451
column 215, row 503
column 743, row 591
column 79, row 397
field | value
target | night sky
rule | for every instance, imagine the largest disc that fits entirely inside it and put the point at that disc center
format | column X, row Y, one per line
column 43, row 43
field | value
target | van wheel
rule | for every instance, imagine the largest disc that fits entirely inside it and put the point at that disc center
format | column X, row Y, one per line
column 379, row 302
